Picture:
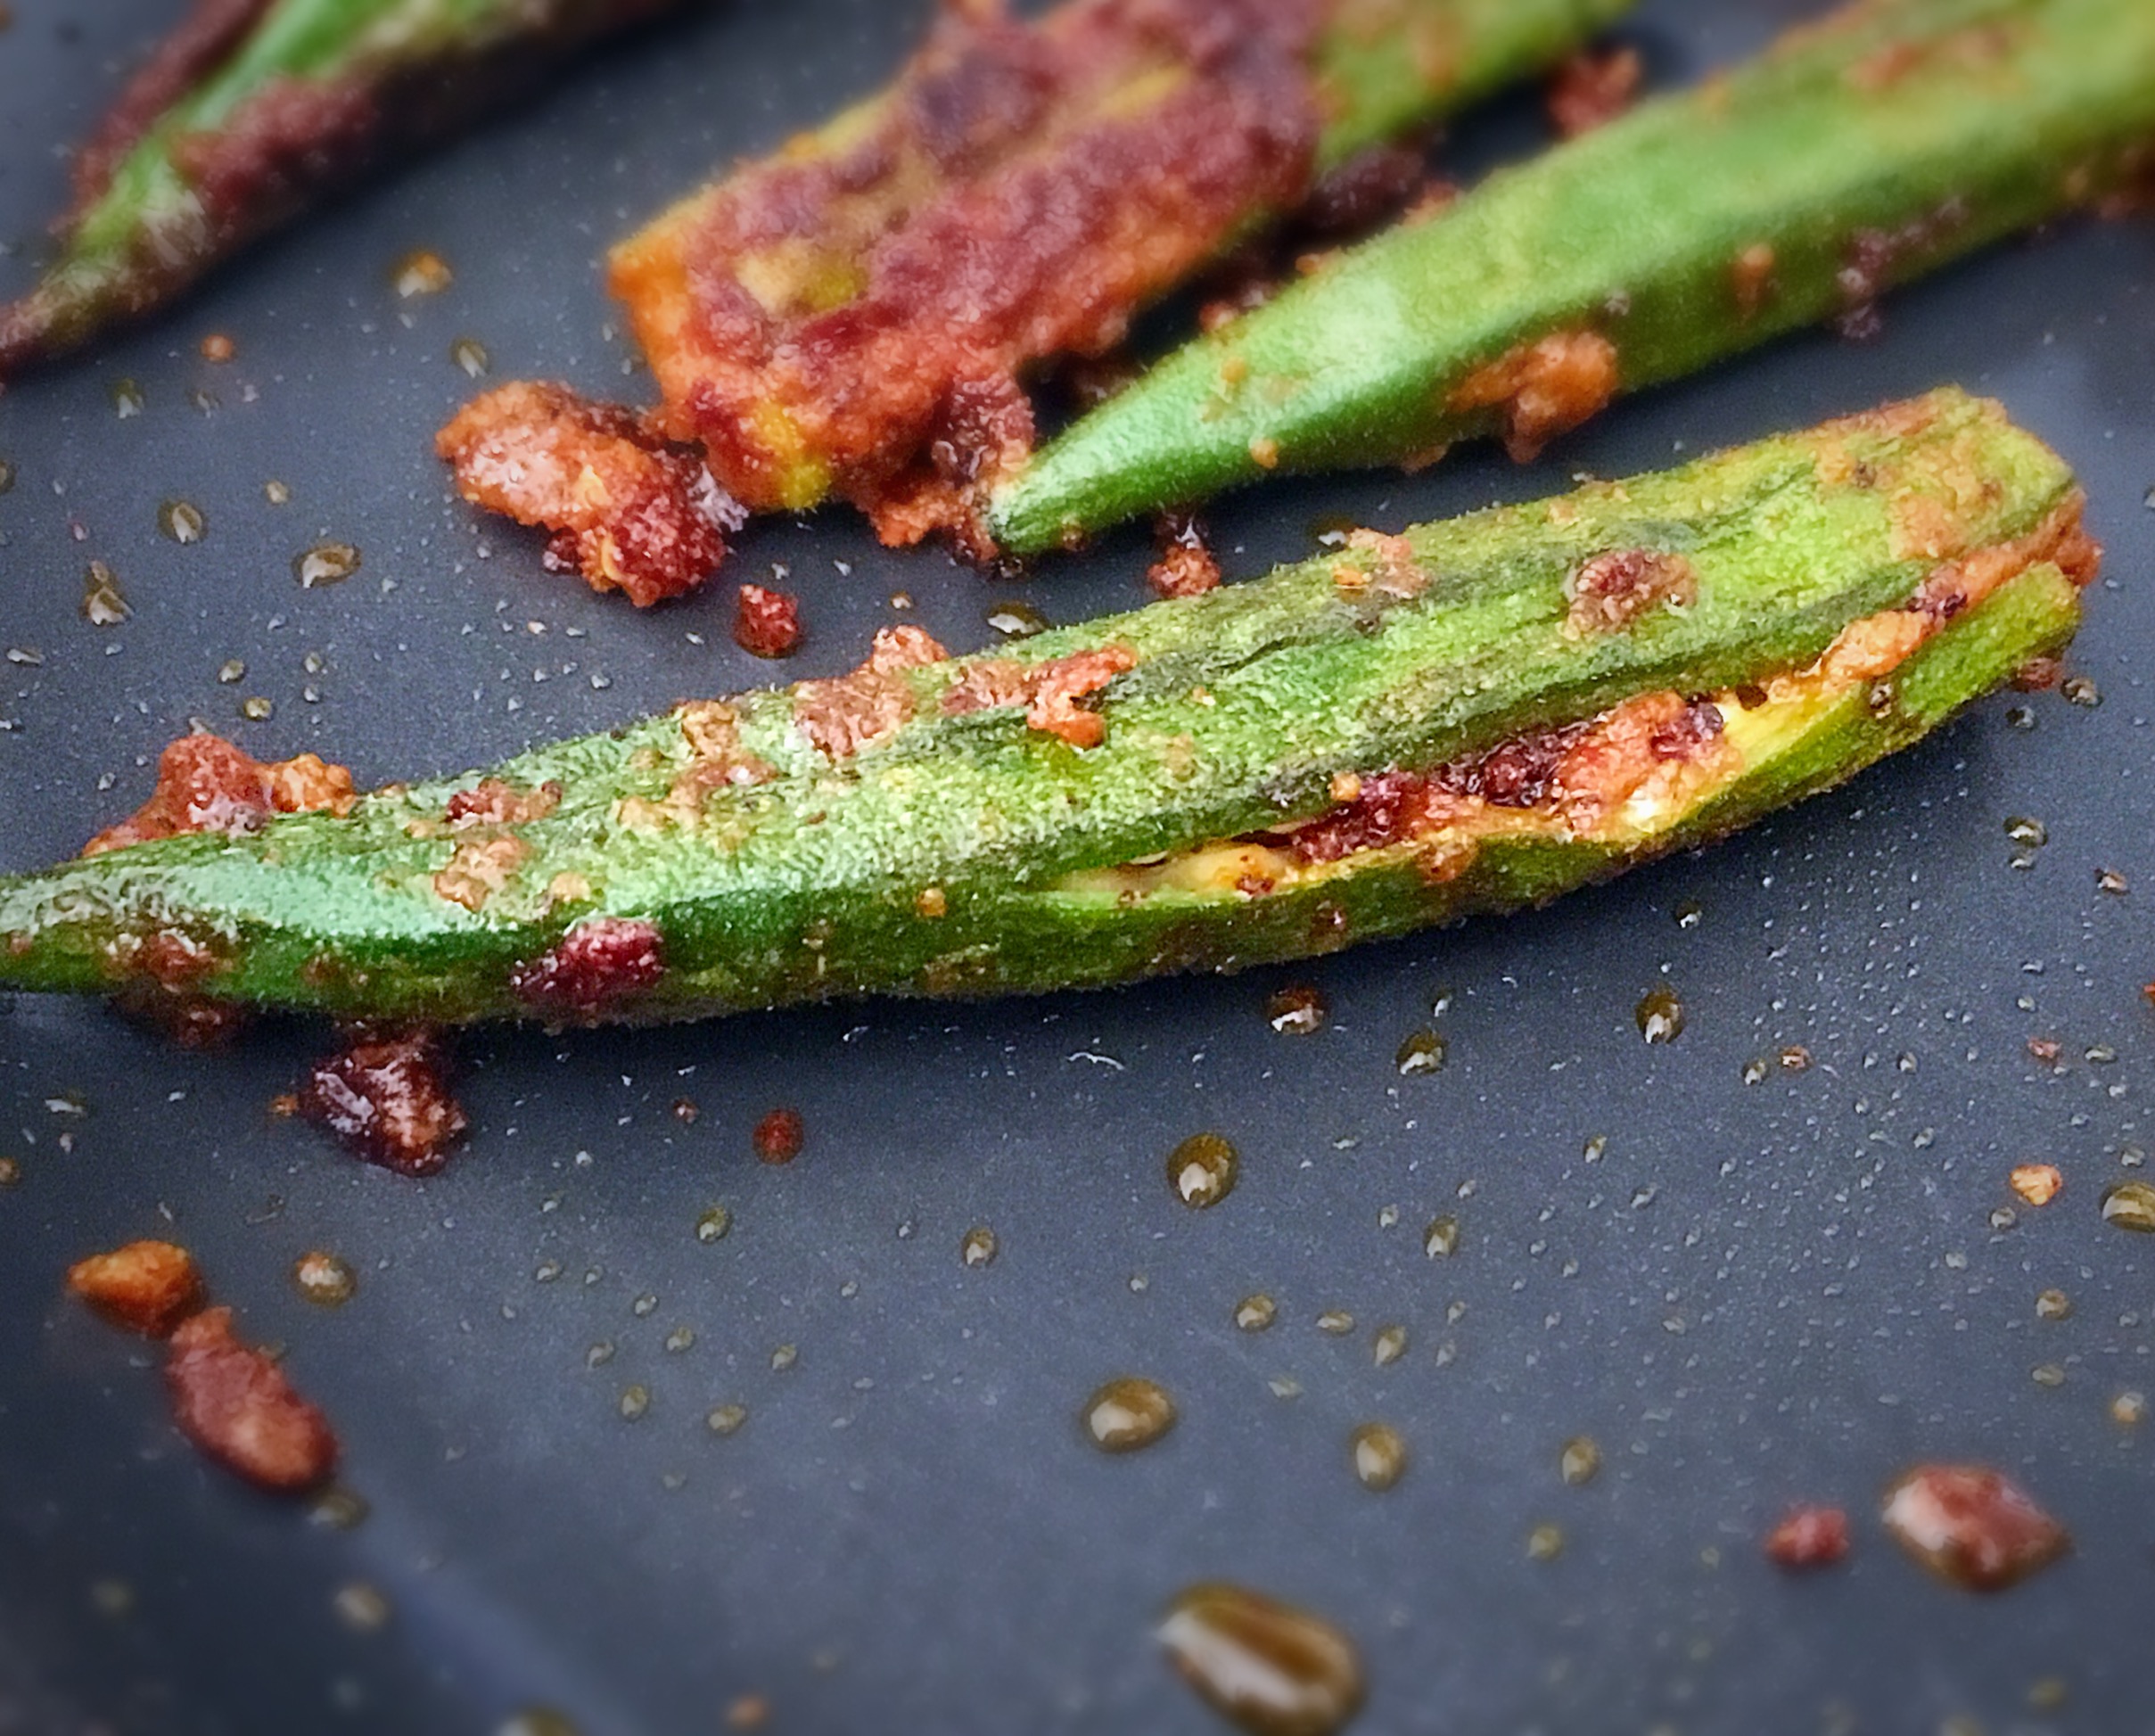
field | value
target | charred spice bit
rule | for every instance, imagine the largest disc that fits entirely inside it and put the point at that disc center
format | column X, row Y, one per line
column 766, row 623
column 1972, row 1526
column 1808, row 1537
column 386, row 1099
column 146, row 1286
column 232, row 1402
column 1267, row 1667
column 779, row 1136
column 2036, row 1183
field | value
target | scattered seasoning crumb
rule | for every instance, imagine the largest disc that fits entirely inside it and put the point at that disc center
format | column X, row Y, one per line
column 1808, row 1537
column 1793, row 1058
column 11, row 1171
column 2036, row 1183
column 686, row 1112
column 1972, row 1526
column 146, row 1286
column 2108, row 880
column 766, row 623
column 1591, row 89
column 2046, row 1049
column 218, row 348
column 277, row 493
column 779, row 1136
column 233, row 1402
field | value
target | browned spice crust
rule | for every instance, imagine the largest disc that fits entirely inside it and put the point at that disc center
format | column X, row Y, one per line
column 849, row 712
column 1542, row 389
column 597, row 966
column 233, row 1403
column 386, row 1099
column 628, row 510
column 146, row 1286
column 856, row 321
column 205, row 783
column 1049, row 691
column 1611, row 591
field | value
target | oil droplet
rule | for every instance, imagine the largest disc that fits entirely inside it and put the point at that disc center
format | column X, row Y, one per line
column 1298, row 1011
column 713, row 1226
column 2108, row 880
column 183, row 522
column 599, row 1354
column 1755, row 1070
column 361, row 1607
column 1441, row 1239
column 2053, row 1305
column 1423, row 1051
column 1203, row 1169
column 338, row 1509
column 277, row 494
column 2078, row 690
column 635, row 1401
column 687, row 1111
column 1690, row 914
column 257, row 709
column 1337, row 1321
column 783, row 1358
column 2130, row 1206
column 1545, row 1542
column 644, row 1306
column 1660, row 1015
column 2029, row 834
column 2129, row 1410
column 1580, row 1460
column 470, row 357
column 11, row 1171
column 324, row 1279
column 229, row 672
column 420, row 272
column 1127, row 1414
column 538, row 1721
column 979, row 1246
column 1379, row 1456
column 1267, row 1667
column 1440, row 1003
column 1793, row 1058
column 128, row 400
column 1017, row 620
column 681, row 1338
column 325, row 564
column 1389, row 1345
column 1256, row 1313
column 7, row 476
column 727, row 1420
column 1284, row 1386
column 103, row 605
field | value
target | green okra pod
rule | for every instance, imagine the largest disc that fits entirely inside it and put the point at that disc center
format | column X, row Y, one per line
column 1857, row 154
column 1473, row 716
column 250, row 108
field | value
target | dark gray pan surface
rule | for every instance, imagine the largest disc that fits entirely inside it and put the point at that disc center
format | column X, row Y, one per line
column 1758, row 1293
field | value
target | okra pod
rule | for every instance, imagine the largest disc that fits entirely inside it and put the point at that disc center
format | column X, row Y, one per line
column 250, row 108
column 857, row 316
column 1855, row 156
column 1475, row 715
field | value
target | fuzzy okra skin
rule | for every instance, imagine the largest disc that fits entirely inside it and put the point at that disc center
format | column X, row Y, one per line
column 1855, row 156
column 970, row 854
column 248, row 110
